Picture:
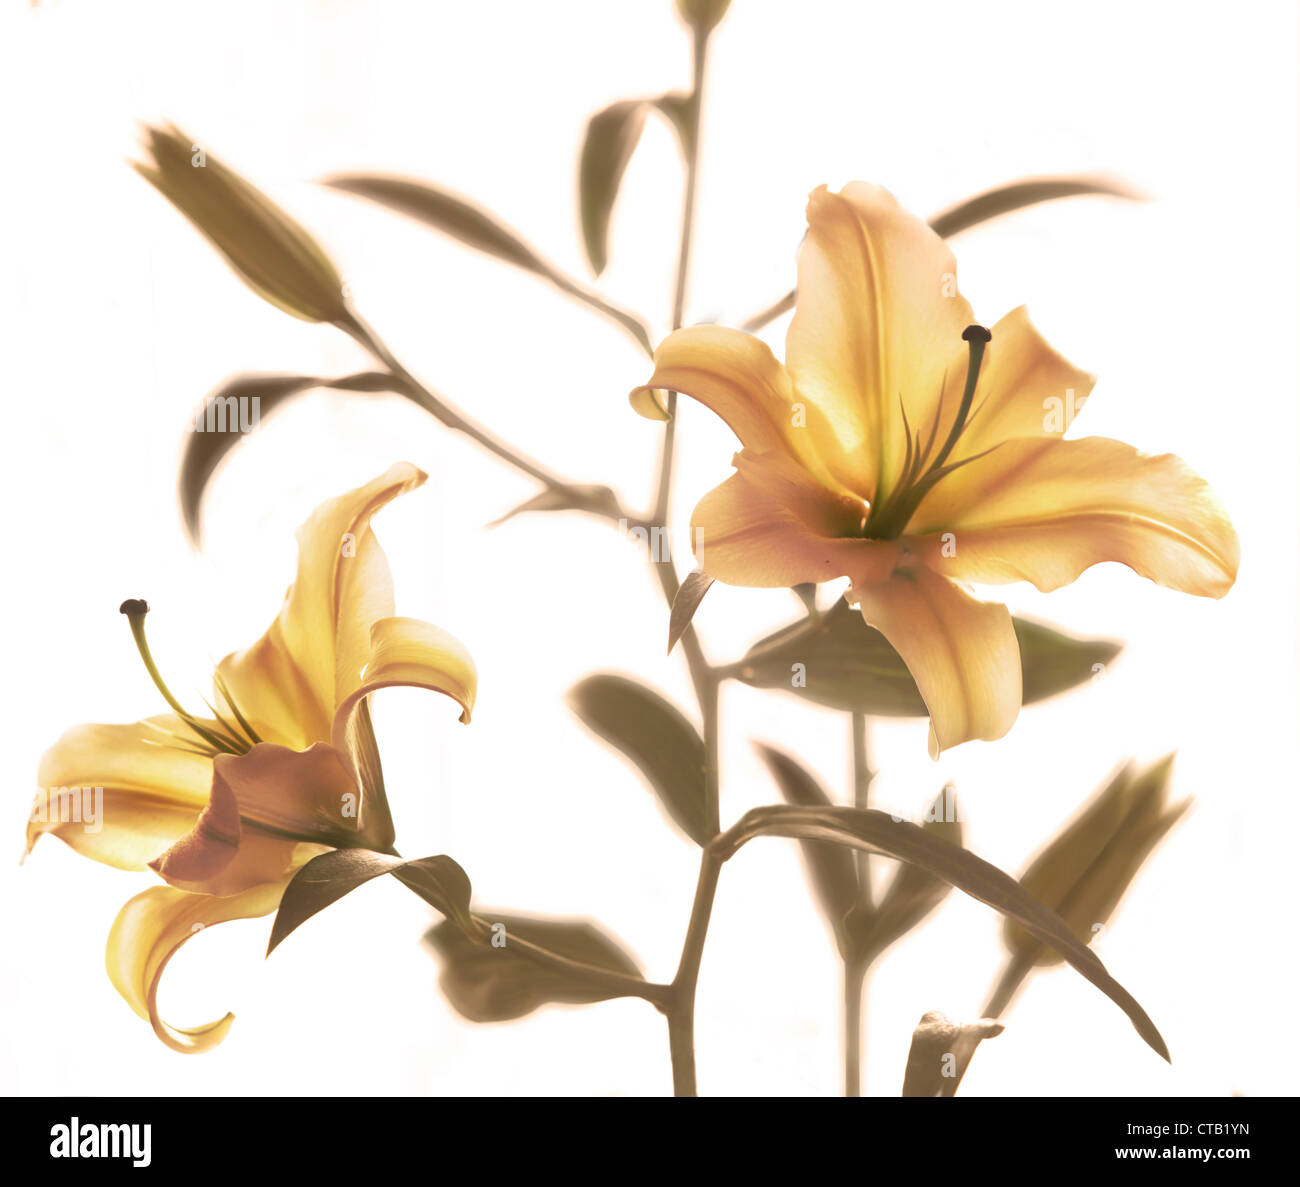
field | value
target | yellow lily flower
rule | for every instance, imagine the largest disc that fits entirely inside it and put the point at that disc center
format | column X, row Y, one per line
column 901, row 447
column 226, row 808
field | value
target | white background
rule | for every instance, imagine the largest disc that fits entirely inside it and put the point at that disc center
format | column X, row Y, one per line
column 117, row 318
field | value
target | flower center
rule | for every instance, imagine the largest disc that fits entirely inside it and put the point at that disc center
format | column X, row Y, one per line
column 211, row 738
column 888, row 518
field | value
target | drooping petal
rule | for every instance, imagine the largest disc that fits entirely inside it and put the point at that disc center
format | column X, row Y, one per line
column 289, row 683
column 770, row 525
column 147, row 933
column 877, row 318
column 121, row 794
column 961, row 652
column 404, row 652
column 1044, row 510
column 264, row 805
column 736, row 376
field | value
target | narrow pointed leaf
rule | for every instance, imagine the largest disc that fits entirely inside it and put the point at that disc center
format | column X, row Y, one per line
column 844, row 664
column 454, row 216
column 446, row 212
column 598, row 500
column 327, row 878
column 610, row 141
column 689, row 596
column 496, row 978
column 831, row 869
column 1084, row 873
column 913, row 892
column 1018, row 194
column 655, row 736
column 866, row 828
column 234, row 410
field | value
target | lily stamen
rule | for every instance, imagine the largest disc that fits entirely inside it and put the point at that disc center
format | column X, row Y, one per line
column 977, row 337
column 135, row 610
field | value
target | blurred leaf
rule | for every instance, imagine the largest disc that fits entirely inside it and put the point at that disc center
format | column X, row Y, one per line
column 275, row 256
column 1018, row 194
column 655, row 737
column 494, row 981
column 831, row 868
column 597, row 500
column 462, row 220
column 845, row 664
column 1084, row 873
column 806, row 592
column 689, row 596
column 611, row 138
column 236, row 408
column 865, row 828
column 1052, row 661
column 913, row 892
column 327, row 878
column 445, row 212
column 941, row 1051
column 677, row 108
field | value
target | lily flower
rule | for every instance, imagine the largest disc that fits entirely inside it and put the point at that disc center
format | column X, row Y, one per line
column 909, row 449
column 225, row 807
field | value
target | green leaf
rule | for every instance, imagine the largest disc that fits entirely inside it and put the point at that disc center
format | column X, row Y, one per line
column 678, row 107
column 1018, row 194
column 1084, row 873
column 607, row 147
column 689, row 596
column 913, row 892
column 453, row 215
column 595, row 499
column 508, row 975
column 839, row 661
column 655, row 736
column 446, row 212
column 831, row 868
column 327, row 878
column 235, row 409
column 865, row 828
column 941, row 1051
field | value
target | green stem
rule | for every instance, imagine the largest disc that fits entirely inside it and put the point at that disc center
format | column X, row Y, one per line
column 681, row 1009
column 855, row 970
column 1008, row 985
column 855, row 981
column 441, row 410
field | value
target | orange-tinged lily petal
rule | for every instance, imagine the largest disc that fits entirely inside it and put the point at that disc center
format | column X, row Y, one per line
column 406, row 652
column 263, row 805
column 290, row 682
column 144, row 790
column 770, row 525
column 148, row 931
column 1044, row 510
column 877, row 319
column 961, row 652
column 736, row 375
